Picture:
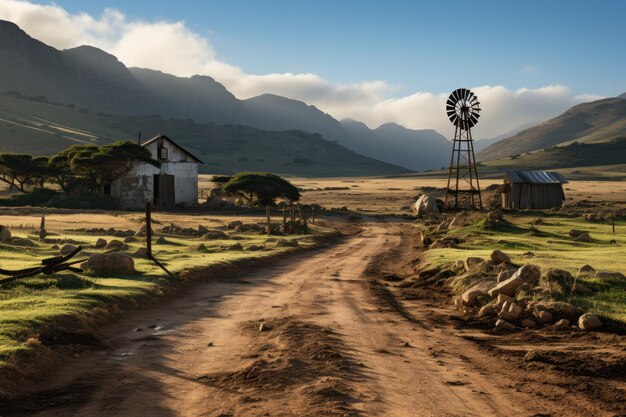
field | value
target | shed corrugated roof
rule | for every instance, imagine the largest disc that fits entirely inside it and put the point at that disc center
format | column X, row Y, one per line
column 536, row 177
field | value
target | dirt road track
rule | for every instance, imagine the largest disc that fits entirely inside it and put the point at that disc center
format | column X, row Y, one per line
column 329, row 346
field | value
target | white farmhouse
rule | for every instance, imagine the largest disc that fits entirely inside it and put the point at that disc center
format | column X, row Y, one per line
column 174, row 183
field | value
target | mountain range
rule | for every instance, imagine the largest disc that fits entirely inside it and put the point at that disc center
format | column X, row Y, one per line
column 91, row 79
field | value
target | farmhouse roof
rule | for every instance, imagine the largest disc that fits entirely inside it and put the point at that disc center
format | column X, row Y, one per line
column 161, row 136
column 536, row 177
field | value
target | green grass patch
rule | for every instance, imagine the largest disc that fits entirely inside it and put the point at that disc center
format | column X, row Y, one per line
column 552, row 247
column 29, row 303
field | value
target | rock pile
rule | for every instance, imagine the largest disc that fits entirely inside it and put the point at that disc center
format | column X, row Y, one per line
column 499, row 293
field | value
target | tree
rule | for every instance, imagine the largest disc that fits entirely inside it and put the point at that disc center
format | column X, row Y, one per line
column 17, row 170
column 264, row 186
column 92, row 166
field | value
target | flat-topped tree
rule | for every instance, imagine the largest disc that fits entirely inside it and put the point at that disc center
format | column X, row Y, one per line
column 262, row 186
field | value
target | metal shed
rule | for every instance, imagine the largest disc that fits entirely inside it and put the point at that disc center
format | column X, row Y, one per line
column 533, row 190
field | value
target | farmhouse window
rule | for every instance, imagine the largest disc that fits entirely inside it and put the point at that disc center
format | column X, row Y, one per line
column 163, row 153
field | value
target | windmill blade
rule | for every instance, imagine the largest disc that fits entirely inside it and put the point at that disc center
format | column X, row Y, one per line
column 450, row 107
column 451, row 102
column 473, row 119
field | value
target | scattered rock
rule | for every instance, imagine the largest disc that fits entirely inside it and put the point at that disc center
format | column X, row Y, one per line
column 203, row 230
column 21, row 241
column 115, row 245
column 472, row 262
column 264, row 327
column 495, row 216
column 562, row 324
column 575, row 233
column 533, row 356
column 499, row 257
column 502, row 298
column 5, row 234
column 528, row 323
column 544, row 317
column 236, row 247
column 141, row 253
column 583, row 238
column 581, row 289
column 161, row 240
column 110, row 263
column 130, row 239
column 589, row 322
column 67, row 249
column 215, row 234
column 587, row 269
column 200, row 248
column 610, row 275
column 504, row 325
column 234, row 224
column 287, row 243
column 426, row 205
column 481, row 288
column 504, row 275
column 488, row 310
column 510, row 311
column 253, row 248
column 54, row 247
column 100, row 243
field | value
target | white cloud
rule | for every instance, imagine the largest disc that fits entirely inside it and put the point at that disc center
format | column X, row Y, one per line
column 172, row 47
column 529, row 69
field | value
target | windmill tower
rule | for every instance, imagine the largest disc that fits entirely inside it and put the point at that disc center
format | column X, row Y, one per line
column 463, row 191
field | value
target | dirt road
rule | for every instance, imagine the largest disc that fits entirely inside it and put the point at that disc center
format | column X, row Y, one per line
column 307, row 336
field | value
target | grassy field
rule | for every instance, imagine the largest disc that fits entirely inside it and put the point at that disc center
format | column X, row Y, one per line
column 550, row 246
column 26, row 305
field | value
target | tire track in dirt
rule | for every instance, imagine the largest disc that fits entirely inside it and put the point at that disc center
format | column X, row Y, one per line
column 328, row 347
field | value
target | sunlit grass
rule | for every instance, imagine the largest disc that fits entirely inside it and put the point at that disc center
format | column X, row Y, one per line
column 552, row 247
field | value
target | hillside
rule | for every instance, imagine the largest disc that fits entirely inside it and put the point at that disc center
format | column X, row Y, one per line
column 575, row 154
column 597, row 121
column 89, row 78
column 41, row 128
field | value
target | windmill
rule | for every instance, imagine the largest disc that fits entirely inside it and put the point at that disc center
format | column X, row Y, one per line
column 463, row 110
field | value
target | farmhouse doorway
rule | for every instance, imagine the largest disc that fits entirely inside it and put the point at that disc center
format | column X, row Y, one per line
column 164, row 191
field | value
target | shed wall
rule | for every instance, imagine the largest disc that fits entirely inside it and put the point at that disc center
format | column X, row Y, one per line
column 533, row 196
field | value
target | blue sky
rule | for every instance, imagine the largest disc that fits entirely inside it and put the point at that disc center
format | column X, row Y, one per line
column 374, row 61
column 424, row 46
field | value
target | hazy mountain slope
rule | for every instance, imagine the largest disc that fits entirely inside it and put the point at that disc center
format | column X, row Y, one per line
column 597, row 121
column 199, row 97
column 43, row 129
column 480, row 144
column 92, row 79
column 272, row 112
column 622, row 96
column 414, row 149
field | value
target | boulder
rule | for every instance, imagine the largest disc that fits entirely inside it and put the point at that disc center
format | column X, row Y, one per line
column 528, row 323
column 562, row 324
column 67, row 249
column 21, row 241
column 544, row 317
column 499, row 257
column 253, row 248
column 115, row 245
column 200, row 248
column 504, row 275
column 141, row 253
column 529, row 274
column 507, row 287
column 426, row 205
column 589, row 322
column 287, row 243
column 495, row 216
column 5, row 234
column 236, row 247
column 215, row 234
column 610, row 275
column 481, row 288
column 458, row 266
column 510, row 311
column 472, row 262
column 234, row 224
column 130, row 239
column 488, row 310
column 583, row 238
column 587, row 269
column 504, row 325
column 575, row 233
column 100, row 243
column 203, row 230
column 110, row 263
column 502, row 298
